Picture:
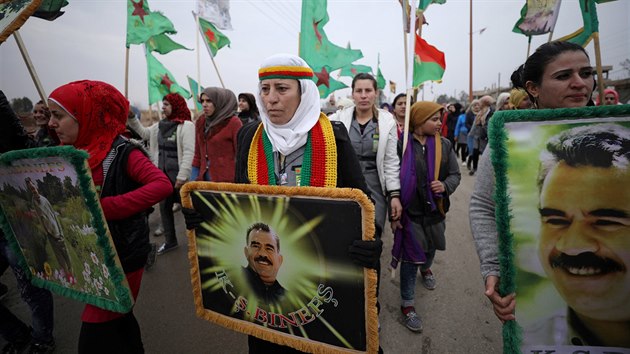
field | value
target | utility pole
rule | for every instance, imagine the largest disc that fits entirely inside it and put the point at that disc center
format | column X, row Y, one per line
column 470, row 55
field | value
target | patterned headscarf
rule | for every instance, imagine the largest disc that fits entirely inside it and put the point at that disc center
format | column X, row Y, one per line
column 101, row 111
column 287, row 138
column 179, row 111
column 225, row 106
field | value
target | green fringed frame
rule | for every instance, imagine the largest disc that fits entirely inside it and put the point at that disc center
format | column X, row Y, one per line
column 498, row 137
column 302, row 344
column 24, row 13
column 78, row 159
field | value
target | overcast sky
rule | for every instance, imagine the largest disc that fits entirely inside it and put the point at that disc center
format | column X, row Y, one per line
column 88, row 42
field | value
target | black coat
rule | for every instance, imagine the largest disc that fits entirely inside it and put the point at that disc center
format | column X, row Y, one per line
column 12, row 133
column 130, row 235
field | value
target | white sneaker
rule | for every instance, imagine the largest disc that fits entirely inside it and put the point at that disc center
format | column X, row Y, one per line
column 464, row 163
column 177, row 207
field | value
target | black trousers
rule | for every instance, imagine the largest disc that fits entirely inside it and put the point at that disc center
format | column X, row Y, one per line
column 119, row 336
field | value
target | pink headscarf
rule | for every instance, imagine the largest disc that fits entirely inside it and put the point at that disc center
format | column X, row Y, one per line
column 607, row 91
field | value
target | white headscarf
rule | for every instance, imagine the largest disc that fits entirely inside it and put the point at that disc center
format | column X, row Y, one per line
column 287, row 138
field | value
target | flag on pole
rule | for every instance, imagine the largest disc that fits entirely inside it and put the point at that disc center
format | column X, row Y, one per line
column 143, row 24
column 161, row 81
column 406, row 10
column 380, row 80
column 429, row 63
column 163, row 44
column 326, row 84
column 315, row 48
column 352, row 70
column 195, row 88
column 591, row 24
column 422, row 6
column 50, row 9
column 537, row 17
column 215, row 11
column 213, row 38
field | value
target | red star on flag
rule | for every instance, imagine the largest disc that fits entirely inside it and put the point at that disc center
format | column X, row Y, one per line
column 323, row 78
column 210, row 35
column 166, row 81
column 353, row 71
column 138, row 9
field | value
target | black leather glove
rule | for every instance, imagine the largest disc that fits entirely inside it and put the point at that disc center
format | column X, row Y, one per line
column 192, row 217
column 366, row 253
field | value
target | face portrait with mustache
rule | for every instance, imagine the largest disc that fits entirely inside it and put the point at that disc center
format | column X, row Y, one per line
column 263, row 254
column 585, row 238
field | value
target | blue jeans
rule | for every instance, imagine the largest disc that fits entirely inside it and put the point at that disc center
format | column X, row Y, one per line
column 39, row 300
column 195, row 173
column 168, row 219
column 408, row 273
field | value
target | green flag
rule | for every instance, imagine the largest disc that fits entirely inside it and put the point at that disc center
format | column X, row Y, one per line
column 591, row 24
column 380, row 80
column 315, row 48
column 161, row 81
column 352, row 70
column 213, row 38
column 143, row 24
column 163, row 44
column 425, row 3
column 195, row 88
column 50, row 9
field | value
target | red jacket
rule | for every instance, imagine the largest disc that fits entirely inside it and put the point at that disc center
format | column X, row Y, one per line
column 444, row 130
column 218, row 148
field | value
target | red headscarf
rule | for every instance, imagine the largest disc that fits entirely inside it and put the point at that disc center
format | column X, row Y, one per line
column 180, row 112
column 101, row 111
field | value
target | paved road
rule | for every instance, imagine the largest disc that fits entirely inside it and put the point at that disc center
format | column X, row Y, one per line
column 457, row 317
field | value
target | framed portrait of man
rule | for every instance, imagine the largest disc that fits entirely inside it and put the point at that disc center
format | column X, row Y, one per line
column 563, row 215
column 52, row 220
column 272, row 262
column 13, row 14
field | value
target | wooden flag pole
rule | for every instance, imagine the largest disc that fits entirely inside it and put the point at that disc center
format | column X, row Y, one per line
column 198, row 62
column 127, row 73
column 404, row 5
column 215, row 67
column 529, row 46
column 598, row 63
column 31, row 68
column 406, row 54
column 410, row 89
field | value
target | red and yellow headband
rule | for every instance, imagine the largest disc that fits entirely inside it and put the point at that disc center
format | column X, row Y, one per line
column 285, row 72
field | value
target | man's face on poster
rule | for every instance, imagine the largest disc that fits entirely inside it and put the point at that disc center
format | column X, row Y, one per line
column 585, row 238
column 263, row 255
